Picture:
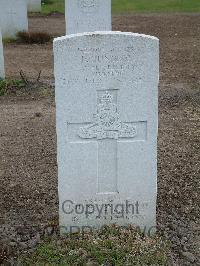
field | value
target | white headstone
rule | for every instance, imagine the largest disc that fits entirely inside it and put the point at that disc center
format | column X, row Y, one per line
column 34, row 5
column 13, row 17
column 2, row 72
column 107, row 122
column 87, row 15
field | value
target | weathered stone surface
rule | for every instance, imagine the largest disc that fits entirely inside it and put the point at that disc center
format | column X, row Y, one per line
column 107, row 107
column 2, row 72
column 87, row 15
column 13, row 17
column 34, row 5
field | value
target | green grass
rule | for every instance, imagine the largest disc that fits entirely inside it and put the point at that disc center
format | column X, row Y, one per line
column 10, row 86
column 50, row 6
column 9, row 40
column 123, row 6
column 19, row 87
column 128, row 6
column 112, row 245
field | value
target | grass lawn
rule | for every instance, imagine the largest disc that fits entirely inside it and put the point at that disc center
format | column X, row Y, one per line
column 111, row 245
column 121, row 6
column 127, row 6
column 49, row 6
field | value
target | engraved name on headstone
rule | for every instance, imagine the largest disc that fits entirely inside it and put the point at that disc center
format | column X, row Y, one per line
column 13, row 17
column 107, row 107
column 87, row 15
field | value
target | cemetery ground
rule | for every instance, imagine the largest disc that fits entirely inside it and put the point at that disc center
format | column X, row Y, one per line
column 28, row 173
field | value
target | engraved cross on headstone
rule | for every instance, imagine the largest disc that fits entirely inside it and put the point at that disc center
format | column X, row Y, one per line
column 108, row 131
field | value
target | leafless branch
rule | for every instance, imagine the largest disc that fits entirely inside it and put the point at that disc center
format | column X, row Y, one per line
column 23, row 77
column 39, row 75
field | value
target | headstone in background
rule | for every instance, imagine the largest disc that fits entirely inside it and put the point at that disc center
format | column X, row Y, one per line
column 87, row 15
column 34, row 5
column 107, row 123
column 2, row 71
column 13, row 17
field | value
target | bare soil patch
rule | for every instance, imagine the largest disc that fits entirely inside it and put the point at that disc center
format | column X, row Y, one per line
column 28, row 171
column 178, row 34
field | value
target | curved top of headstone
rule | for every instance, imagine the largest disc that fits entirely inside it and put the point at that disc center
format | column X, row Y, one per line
column 103, row 33
column 138, row 54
